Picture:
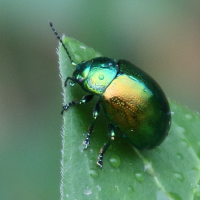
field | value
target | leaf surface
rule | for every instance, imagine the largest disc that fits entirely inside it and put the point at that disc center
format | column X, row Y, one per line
column 170, row 171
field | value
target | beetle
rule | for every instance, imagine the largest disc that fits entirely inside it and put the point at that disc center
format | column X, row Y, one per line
column 132, row 100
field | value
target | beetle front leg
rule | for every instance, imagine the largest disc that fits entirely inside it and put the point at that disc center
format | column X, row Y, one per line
column 96, row 110
column 111, row 134
column 84, row 100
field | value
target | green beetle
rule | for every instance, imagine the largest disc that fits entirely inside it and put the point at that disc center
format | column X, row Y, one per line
column 132, row 100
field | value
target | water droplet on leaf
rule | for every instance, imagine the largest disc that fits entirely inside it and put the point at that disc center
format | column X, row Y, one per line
column 114, row 161
column 139, row 176
column 93, row 173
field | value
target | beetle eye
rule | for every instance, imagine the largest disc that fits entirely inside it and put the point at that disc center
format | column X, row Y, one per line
column 80, row 80
column 103, row 66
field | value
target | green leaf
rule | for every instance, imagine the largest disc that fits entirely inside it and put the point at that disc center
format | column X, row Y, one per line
column 170, row 171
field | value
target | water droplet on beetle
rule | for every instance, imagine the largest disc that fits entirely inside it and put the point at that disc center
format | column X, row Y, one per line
column 101, row 76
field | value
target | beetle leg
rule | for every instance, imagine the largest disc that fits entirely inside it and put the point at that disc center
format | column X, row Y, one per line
column 96, row 110
column 84, row 100
column 111, row 134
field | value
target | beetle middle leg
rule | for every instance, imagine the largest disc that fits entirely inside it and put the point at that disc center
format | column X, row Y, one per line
column 111, row 134
column 85, row 99
column 96, row 110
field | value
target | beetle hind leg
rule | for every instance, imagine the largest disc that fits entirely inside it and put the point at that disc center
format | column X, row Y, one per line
column 102, row 151
column 86, row 142
column 96, row 110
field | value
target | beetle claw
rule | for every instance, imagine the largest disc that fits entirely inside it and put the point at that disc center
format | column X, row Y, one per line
column 86, row 143
column 100, row 163
column 64, row 108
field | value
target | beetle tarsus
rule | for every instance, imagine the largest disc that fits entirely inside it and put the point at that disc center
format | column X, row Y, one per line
column 85, row 99
column 100, row 160
column 86, row 142
column 65, row 107
column 111, row 134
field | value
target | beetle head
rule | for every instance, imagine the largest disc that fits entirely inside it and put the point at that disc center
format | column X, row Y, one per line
column 95, row 75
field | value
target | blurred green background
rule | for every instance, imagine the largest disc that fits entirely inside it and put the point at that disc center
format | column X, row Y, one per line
column 161, row 37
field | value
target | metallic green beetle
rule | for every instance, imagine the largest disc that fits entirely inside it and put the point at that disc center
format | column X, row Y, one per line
column 132, row 100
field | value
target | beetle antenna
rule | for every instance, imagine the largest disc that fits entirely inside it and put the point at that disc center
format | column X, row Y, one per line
column 55, row 32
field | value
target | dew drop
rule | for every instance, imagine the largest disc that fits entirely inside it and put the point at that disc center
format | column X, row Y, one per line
column 172, row 113
column 185, row 143
column 188, row 116
column 114, row 161
column 92, row 161
column 179, row 176
column 148, row 169
column 139, row 176
column 196, row 191
column 175, row 196
column 162, row 196
column 195, row 169
column 98, row 188
column 82, row 47
column 88, row 191
column 93, row 173
column 131, row 189
column 157, row 149
column 179, row 156
column 144, row 90
column 181, row 129
column 117, row 188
